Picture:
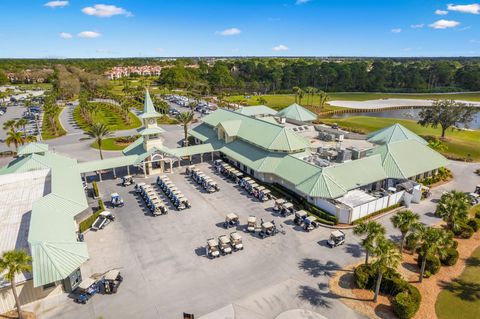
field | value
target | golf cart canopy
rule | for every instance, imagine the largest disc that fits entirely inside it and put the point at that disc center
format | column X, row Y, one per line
column 301, row 213
column 280, row 201
column 115, row 195
column 337, row 234
column 112, row 275
column 127, row 177
column 288, row 205
column 267, row 225
column 105, row 214
column 232, row 216
column 212, row 242
column 224, row 240
column 311, row 218
column 86, row 283
column 252, row 219
column 235, row 236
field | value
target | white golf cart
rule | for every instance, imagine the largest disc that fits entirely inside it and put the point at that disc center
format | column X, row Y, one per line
column 337, row 238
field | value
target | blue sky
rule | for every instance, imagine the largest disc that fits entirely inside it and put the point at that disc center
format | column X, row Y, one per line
column 119, row 28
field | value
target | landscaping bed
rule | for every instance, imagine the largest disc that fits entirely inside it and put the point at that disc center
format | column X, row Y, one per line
column 107, row 114
column 116, row 143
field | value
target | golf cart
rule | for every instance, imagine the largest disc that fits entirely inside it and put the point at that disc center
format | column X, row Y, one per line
column 310, row 223
column 157, row 208
column 474, row 198
column 286, row 209
column 337, row 238
column 236, row 241
column 425, row 192
column 102, row 220
column 477, row 189
column 224, row 242
column 251, row 224
column 231, row 220
column 189, row 169
column 264, row 195
column 268, row 229
column 300, row 217
column 138, row 187
column 212, row 248
column 127, row 180
column 111, row 281
column 85, row 290
column 278, row 203
column 116, row 200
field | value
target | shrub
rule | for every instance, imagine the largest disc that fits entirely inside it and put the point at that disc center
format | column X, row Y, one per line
column 432, row 266
column 363, row 277
column 96, row 193
column 101, row 205
column 87, row 223
column 465, row 231
column 454, row 244
column 477, row 214
column 406, row 303
column 410, row 242
column 474, row 223
column 450, row 258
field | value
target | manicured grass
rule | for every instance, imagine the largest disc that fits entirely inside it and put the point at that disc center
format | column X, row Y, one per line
column 36, row 86
column 109, row 144
column 460, row 143
column 108, row 115
column 278, row 101
column 47, row 130
column 461, row 298
column 167, row 120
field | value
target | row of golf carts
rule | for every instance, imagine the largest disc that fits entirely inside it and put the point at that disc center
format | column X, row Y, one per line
column 227, row 170
column 253, row 188
column 89, row 287
column 150, row 197
column 284, row 207
column 200, row 178
column 171, row 191
column 224, row 245
column 266, row 228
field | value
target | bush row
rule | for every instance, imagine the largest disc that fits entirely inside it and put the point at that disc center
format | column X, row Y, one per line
column 406, row 299
column 87, row 223
column 96, row 193
column 378, row 212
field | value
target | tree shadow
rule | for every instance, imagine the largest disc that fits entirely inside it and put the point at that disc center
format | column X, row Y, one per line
column 384, row 311
column 473, row 262
column 413, row 267
column 316, row 269
column 396, row 238
column 313, row 296
column 354, row 249
column 465, row 290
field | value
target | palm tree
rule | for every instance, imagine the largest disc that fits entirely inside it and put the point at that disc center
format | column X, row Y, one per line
column 30, row 138
column 405, row 221
column 323, row 96
column 453, row 208
column 374, row 232
column 185, row 118
column 10, row 125
column 296, row 90
column 15, row 262
column 300, row 96
column 22, row 123
column 432, row 241
column 16, row 138
column 99, row 131
column 387, row 258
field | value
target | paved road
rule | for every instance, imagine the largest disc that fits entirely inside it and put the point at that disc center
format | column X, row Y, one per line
column 13, row 113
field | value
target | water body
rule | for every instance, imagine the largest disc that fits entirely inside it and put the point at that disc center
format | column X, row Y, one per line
column 405, row 114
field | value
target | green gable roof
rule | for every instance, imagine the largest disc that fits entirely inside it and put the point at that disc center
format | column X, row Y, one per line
column 151, row 130
column 297, row 113
column 393, row 133
column 256, row 110
column 408, row 158
column 32, row 148
column 264, row 134
column 148, row 108
column 203, row 132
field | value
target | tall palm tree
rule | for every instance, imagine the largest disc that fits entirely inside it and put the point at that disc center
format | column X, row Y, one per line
column 387, row 258
column 99, row 132
column 405, row 221
column 300, row 95
column 374, row 232
column 10, row 125
column 453, row 208
column 323, row 96
column 185, row 118
column 432, row 241
column 16, row 138
column 15, row 262
column 296, row 90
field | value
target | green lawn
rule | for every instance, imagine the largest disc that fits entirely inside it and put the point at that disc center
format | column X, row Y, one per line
column 460, row 299
column 36, row 86
column 47, row 131
column 280, row 101
column 460, row 143
column 167, row 120
column 107, row 115
column 110, row 144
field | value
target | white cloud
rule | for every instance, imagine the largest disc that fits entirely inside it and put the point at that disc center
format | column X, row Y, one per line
column 396, row 30
column 65, row 35
column 417, row 26
column 56, row 4
column 105, row 11
column 298, row 2
column 441, row 12
column 473, row 8
column 444, row 24
column 229, row 32
column 89, row 34
column 280, row 47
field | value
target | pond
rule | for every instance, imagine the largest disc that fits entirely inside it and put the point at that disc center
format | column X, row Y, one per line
column 405, row 114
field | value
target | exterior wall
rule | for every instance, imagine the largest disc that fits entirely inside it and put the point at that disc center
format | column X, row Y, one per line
column 375, row 205
column 27, row 294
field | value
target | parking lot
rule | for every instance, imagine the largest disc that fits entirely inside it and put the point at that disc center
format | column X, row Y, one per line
column 167, row 273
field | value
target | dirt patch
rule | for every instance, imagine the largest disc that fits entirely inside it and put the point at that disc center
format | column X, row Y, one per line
column 360, row 300
column 14, row 315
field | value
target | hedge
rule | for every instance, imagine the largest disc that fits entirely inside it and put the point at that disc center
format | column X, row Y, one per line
column 87, row 223
column 464, row 231
column 406, row 297
column 474, row 223
column 96, row 193
column 378, row 212
column 432, row 266
column 450, row 258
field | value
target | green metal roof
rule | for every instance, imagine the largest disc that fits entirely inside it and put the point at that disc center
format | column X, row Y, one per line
column 256, row 110
column 136, row 148
column 321, row 185
column 231, row 127
column 203, row 132
column 151, row 130
column 266, row 135
column 107, row 163
column 148, row 108
column 32, row 148
column 297, row 113
column 394, row 133
column 408, row 158
column 295, row 170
